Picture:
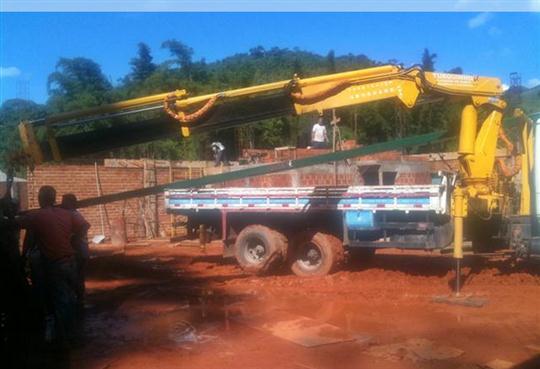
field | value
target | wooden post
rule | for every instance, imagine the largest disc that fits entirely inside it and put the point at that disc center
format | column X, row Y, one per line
column 171, row 216
column 103, row 215
column 150, row 210
column 144, row 203
column 401, row 124
column 155, row 206
column 356, row 126
column 334, row 131
column 202, row 237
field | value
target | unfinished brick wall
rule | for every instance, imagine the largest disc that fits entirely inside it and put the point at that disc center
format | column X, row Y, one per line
column 80, row 179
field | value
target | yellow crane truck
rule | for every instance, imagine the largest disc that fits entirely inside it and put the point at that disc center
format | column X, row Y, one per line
column 485, row 194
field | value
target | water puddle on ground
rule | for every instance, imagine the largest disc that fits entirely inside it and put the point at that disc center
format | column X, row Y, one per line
column 161, row 316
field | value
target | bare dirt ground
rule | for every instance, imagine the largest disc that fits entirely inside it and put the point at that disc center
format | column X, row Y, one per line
column 160, row 306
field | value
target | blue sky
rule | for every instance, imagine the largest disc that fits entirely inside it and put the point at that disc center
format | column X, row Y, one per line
column 493, row 44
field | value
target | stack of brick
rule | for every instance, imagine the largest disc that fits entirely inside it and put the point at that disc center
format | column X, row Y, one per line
column 268, row 156
column 323, row 175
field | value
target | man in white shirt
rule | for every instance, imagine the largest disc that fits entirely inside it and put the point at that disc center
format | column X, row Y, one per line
column 319, row 138
column 219, row 153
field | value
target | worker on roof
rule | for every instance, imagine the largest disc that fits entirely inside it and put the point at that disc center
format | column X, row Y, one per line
column 319, row 137
column 218, row 150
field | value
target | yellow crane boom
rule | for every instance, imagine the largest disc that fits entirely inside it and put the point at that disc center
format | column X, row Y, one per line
column 239, row 106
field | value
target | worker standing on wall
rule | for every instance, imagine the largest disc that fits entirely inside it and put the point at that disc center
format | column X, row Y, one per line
column 319, row 137
column 219, row 153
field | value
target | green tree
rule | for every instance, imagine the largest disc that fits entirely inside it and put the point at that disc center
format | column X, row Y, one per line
column 77, row 83
column 12, row 112
column 183, row 55
column 428, row 61
column 331, row 61
column 297, row 68
column 257, row 51
column 456, row 70
column 15, row 110
column 142, row 66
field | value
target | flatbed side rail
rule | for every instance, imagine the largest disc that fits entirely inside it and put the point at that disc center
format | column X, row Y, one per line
column 299, row 199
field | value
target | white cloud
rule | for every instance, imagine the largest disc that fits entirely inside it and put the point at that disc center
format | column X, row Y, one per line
column 505, row 87
column 533, row 82
column 9, row 72
column 479, row 20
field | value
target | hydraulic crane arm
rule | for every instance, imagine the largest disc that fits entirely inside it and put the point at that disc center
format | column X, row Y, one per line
column 244, row 105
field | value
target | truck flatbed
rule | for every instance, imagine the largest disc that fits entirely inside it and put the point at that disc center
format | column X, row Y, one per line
column 301, row 199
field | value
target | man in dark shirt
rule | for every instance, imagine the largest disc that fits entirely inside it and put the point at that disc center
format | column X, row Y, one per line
column 53, row 229
column 15, row 305
column 219, row 153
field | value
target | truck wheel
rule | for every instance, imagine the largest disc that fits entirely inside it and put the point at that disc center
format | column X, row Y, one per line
column 316, row 254
column 258, row 248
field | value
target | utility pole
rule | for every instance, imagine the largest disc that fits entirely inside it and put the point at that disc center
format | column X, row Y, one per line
column 336, row 142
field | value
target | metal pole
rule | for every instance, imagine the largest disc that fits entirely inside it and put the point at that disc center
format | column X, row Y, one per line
column 171, row 217
column 101, row 206
column 458, row 277
column 459, row 213
column 355, row 125
column 202, row 237
column 334, row 125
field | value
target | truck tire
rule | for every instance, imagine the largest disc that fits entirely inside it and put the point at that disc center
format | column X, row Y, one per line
column 316, row 254
column 259, row 248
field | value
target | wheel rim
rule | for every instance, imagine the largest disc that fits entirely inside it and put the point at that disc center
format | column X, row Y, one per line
column 309, row 256
column 255, row 250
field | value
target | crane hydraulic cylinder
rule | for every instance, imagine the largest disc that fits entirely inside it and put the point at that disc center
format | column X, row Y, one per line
column 468, row 129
